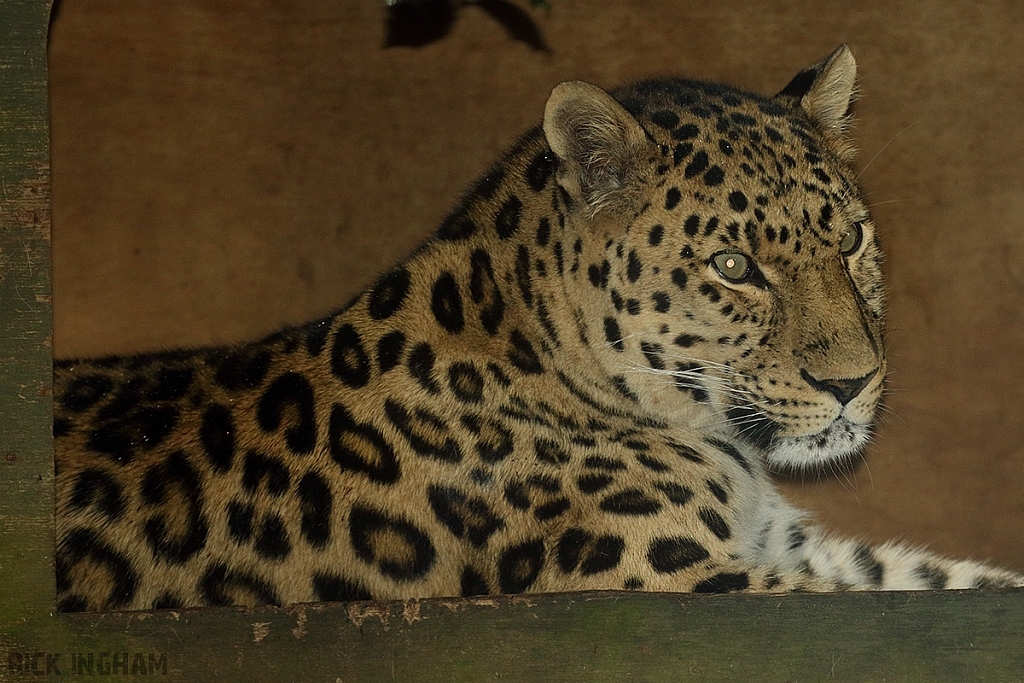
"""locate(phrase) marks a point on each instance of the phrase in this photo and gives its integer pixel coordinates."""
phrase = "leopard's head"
(730, 268)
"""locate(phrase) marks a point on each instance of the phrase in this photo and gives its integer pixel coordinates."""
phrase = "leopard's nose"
(845, 390)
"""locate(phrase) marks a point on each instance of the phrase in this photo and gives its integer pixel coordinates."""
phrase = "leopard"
(585, 379)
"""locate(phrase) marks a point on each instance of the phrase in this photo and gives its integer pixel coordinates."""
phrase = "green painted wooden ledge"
(950, 636)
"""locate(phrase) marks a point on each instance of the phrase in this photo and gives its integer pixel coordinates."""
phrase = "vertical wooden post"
(26, 453)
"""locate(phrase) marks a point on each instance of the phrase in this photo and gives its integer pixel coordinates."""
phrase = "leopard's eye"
(851, 238)
(733, 266)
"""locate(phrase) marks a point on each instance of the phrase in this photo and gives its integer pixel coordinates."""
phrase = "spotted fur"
(579, 382)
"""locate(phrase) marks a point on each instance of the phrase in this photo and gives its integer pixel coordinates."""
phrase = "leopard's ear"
(600, 147)
(825, 91)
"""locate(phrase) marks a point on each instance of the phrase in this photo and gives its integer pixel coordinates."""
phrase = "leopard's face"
(747, 286)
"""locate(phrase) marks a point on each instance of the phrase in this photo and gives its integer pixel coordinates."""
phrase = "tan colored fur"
(559, 391)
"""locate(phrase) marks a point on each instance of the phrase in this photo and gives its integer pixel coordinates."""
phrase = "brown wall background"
(221, 167)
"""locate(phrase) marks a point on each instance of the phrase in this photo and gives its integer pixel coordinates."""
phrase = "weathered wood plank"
(951, 636)
(26, 461)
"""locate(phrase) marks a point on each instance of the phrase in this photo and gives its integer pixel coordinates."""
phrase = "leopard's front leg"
(855, 565)
(894, 566)
(781, 539)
